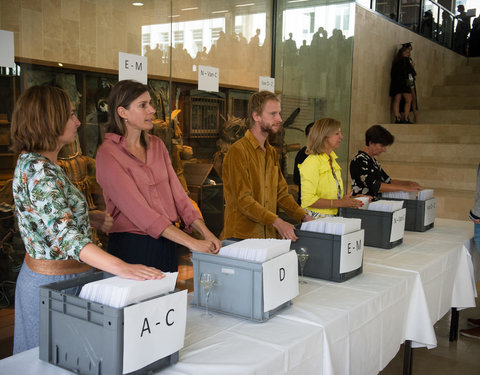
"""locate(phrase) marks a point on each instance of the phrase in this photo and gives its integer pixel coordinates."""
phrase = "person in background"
(52, 213)
(461, 30)
(474, 41)
(368, 177)
(402, 80)
(141, 190)
(320, 174)
(475, 217)
(299, 158)
(254, 186)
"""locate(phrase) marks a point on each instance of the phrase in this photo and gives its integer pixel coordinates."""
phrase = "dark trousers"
(133, 248)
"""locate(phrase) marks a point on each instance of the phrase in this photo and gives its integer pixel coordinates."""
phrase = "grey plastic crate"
(82, 336)
(238, 293)
(377, 225)
(324, 255)
(415, 220)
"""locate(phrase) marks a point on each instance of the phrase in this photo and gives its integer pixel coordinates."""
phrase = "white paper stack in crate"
(400, 195)
(332, 225)
(425, 194)
(118, 292)
(256, 249)
(385, 206)
(422, 195)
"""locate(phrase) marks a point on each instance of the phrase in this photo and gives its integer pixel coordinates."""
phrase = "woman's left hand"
(100, 220)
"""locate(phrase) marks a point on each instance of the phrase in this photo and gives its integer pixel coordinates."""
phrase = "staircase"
(442, 151)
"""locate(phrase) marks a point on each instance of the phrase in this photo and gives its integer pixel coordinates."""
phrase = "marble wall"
(90, 33)
(377, 39)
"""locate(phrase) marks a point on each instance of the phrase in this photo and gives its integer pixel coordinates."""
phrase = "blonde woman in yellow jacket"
(321, 181)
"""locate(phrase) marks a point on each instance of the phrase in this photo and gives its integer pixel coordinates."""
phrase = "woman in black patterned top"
(368, 177)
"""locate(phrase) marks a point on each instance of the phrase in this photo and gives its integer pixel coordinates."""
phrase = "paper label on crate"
(351, 251)
(280, 280)
(430, 211)
(398, 225)
(208, 77)
(153, 330)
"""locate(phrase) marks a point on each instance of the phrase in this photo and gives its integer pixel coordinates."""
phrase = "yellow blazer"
(317, 181)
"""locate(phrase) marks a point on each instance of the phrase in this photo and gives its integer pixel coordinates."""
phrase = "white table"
(355, 327)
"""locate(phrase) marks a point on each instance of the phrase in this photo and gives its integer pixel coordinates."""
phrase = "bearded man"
(254, 187)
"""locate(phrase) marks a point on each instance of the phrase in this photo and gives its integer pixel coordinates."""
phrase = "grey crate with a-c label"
(382, 229)
(238, 289)
(82, 336)
(329, 256)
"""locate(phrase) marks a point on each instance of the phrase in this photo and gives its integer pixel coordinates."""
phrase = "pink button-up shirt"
(142, 198)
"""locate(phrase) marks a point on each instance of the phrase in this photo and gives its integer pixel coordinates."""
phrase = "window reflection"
(314, 66)
(235, 41)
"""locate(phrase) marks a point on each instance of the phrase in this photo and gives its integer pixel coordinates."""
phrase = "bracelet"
(331, 203)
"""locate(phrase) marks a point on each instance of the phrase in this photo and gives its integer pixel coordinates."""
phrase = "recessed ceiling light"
(137, 4)
(193, 8)
(60, 64)
(244, 5)
(220, 11)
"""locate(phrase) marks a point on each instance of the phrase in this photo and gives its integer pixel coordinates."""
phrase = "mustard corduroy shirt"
(254, 188)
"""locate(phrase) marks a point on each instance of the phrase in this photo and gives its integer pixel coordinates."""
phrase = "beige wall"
(90, 33)
(376, 42)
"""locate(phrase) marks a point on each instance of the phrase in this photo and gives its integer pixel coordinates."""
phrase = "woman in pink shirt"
(141, 190)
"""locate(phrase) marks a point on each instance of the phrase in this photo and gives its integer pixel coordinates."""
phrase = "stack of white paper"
(256, 249)
(118, 292)
(425, 194)
(386, 206)
(332, 225)
(400, 195)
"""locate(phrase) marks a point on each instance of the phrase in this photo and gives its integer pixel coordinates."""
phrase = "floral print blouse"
(367, 175)
(52, 213)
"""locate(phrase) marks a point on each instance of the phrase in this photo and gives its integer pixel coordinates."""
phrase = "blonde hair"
(320, 131)
(257, 102)
(39, 118)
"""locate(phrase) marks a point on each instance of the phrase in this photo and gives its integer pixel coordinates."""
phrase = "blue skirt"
(27, 306)
(133, 248)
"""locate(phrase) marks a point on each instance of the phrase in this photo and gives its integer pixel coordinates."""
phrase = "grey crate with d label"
(238, 286)
(82, 336)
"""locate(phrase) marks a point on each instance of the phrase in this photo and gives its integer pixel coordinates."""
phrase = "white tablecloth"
(355, 327)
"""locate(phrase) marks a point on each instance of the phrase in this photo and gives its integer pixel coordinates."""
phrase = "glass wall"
(313, 67)
(434, 20)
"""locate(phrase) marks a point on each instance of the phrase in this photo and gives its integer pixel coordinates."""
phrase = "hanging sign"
(208, 78)
(7, 49)
(132, 67)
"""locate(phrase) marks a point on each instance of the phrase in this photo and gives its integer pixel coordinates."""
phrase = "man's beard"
(269, 128)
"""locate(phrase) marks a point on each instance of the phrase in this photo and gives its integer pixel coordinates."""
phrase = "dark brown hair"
(39, 118)
(122, 95)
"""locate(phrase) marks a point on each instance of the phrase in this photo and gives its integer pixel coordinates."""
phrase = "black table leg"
(407, 357)
(454, 324)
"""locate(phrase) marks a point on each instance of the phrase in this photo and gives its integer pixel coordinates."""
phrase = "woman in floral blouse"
(52, 213)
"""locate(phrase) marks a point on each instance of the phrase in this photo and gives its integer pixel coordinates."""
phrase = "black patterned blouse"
(367, 175)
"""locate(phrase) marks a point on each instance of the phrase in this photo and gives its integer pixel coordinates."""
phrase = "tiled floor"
(460, 357)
